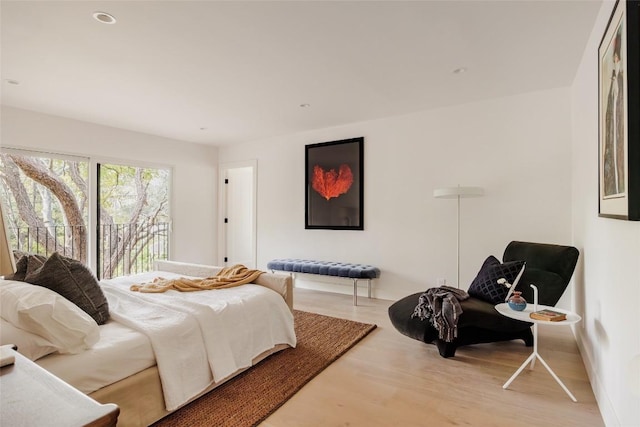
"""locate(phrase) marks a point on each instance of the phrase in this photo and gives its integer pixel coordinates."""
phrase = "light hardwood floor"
(389, 379)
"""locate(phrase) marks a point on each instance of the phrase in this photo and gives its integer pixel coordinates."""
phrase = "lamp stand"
(458, 248)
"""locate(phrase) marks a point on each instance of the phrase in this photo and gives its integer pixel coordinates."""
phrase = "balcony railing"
(131, 248)
(122, 248)
(47, 240)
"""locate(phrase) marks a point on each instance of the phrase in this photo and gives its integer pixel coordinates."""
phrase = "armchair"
(549, 267)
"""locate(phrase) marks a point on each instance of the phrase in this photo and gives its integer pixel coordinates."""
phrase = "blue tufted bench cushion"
(325, 268)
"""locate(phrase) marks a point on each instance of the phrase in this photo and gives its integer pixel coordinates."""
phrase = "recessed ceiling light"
(12, 82)
(305, 105)
(203, 128)
(459, 70)
(104, 17)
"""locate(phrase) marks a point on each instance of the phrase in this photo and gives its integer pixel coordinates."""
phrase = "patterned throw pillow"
(74, 281)
(486, 287)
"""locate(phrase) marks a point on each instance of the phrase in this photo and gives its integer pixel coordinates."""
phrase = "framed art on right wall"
(619, 114)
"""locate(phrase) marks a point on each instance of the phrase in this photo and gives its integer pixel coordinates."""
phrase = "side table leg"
(513, 377)
(535, 345)
(555, 377)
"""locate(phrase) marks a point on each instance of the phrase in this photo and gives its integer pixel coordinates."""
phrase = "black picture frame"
(619, 114)
(334, 185)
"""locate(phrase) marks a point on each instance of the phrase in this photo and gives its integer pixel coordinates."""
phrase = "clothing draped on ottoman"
(442, 307)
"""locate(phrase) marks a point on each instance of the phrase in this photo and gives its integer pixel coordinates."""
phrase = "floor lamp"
(458, 193)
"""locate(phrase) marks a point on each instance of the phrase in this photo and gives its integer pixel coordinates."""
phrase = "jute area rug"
(252, 396)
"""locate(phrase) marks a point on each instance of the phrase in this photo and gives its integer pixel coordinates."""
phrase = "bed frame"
(140, 396)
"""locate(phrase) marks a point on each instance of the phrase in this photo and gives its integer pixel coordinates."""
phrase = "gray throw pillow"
(25, 264)
(74, 281)
(34, 262)
(18, 254)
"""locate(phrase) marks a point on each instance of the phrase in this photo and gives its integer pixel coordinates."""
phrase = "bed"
(207, 338)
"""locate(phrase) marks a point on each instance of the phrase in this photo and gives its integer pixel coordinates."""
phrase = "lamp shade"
(7, 263)
(455, 192)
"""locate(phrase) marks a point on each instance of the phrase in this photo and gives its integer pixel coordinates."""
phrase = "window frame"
(92, 193)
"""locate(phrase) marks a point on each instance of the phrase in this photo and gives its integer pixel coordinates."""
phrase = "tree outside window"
(47, 200)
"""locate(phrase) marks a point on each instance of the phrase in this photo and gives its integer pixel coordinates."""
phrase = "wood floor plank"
(389, 379)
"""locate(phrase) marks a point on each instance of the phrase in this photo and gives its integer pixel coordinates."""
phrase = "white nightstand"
(31, 396)
(571, 319)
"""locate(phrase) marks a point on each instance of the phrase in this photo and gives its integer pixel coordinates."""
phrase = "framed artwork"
(334, 178)
(619, 114)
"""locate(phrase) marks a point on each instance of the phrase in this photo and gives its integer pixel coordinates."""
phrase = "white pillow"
(45, 313)
(29, 345)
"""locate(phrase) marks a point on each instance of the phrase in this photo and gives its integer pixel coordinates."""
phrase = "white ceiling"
(241, 69)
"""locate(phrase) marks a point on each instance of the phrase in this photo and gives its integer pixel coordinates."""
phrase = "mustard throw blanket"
(227, 277)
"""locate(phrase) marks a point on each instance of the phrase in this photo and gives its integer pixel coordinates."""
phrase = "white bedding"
(121, 352)
(206, 335)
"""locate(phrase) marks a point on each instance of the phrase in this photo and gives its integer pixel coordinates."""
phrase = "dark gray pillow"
(74, 281)
(18, 254)
(25, 264)
(34, 262)
(486, 287)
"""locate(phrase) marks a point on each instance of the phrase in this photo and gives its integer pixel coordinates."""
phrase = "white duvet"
(201, 337)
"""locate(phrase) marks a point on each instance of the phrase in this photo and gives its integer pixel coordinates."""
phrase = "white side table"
(571, 319)
(32, 396)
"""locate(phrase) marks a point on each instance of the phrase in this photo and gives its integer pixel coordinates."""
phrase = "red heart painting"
(331, 183)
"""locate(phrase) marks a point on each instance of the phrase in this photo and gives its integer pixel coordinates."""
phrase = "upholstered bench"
(328, 268)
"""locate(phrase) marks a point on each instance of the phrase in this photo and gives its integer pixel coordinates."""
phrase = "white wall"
(607, 281)
(194, 169)
(517, 148)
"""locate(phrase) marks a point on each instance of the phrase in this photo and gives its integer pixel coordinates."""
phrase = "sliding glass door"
(48, 204)
(134, 225)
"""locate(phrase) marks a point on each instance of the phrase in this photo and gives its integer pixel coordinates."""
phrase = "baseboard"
(602, 398)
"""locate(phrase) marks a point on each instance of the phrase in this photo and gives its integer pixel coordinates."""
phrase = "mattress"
(126, 365)
(195, 339)
(120, 353)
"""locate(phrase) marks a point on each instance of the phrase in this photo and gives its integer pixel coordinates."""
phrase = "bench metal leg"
(355, 291)
(355, 285)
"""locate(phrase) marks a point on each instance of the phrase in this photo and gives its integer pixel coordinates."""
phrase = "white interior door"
(238, 182)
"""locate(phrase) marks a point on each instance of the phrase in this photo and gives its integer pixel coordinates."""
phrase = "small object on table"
(550, 315)
(6, 355)
(517, 302)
